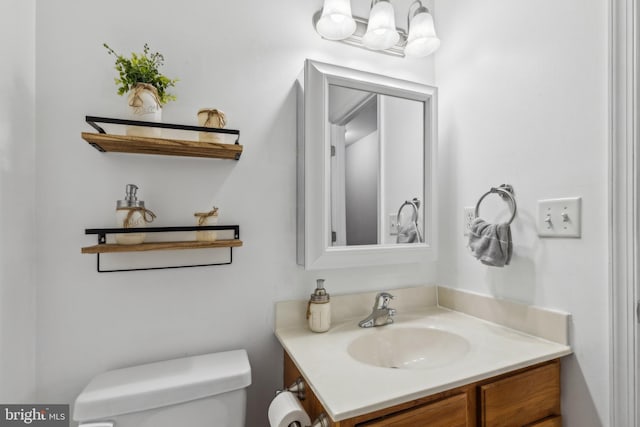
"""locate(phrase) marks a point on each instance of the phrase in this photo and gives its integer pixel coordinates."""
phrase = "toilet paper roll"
(284, 409)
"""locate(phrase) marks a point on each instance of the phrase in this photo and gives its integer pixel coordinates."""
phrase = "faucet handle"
(383, 299)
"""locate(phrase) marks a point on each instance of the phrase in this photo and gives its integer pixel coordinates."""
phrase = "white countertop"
(348, 388)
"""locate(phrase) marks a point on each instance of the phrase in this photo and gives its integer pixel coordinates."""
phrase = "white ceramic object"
(144, 105)
(211, 118)
(207, 235)
(319, 308)
(319, 316)
(199, 391)
(409, 348)
(136, 220)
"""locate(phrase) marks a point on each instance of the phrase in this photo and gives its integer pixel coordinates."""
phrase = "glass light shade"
(422, 39)
(381, 31)
(336, 22)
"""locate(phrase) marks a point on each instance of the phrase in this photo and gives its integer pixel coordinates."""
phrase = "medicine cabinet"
(366, 169)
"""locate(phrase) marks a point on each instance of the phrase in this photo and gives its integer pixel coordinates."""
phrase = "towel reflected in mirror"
(408, 227)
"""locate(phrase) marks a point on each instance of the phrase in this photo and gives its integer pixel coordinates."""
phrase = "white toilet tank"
(199, 391)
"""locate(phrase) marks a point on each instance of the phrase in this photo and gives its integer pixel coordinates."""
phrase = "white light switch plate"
(559, 217)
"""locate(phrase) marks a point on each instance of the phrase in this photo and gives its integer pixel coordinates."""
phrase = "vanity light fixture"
(336, 22)
(378, 33)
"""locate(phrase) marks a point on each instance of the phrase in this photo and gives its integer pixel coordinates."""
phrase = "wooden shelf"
(161, 146)
(160, 246)
(230, 240)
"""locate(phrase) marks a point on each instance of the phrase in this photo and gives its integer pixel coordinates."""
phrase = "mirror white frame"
(314, 250)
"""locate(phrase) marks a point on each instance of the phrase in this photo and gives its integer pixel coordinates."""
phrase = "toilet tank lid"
(158, 384)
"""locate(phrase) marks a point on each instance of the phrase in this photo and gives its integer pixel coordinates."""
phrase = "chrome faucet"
(381, 314)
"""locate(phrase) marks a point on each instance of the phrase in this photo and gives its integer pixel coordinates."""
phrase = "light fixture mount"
(361, 28)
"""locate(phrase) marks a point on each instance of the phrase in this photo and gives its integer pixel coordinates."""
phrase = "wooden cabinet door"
(548, 422)
(522, 399)
(449, 412)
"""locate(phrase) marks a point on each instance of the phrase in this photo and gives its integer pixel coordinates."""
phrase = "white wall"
(523, 100)
(17, 198)
(362, 166)
(242, 57)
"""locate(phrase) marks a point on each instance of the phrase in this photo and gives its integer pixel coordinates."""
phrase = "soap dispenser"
(131, 213)
(319, 309)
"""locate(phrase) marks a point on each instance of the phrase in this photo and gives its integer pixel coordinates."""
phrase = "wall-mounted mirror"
(366, 168)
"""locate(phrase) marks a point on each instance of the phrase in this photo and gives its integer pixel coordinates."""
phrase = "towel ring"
(415, 203)
(506, 192)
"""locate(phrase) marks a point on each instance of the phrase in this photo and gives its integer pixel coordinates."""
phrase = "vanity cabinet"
(548, 422)
(447, 412)
(528, 397)
(521, 399)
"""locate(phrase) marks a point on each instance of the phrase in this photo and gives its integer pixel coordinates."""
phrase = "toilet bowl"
(199, 391)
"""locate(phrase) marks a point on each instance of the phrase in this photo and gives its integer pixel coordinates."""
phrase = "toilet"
(198, 391)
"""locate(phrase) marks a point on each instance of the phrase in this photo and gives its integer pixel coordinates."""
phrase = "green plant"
(142, 68)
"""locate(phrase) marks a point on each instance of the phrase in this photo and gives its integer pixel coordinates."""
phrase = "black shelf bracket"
(93, 120)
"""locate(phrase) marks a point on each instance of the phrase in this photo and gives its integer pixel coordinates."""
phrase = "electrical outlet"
(469, 213)
(392, 224)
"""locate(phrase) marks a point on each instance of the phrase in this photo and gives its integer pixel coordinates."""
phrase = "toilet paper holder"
(298, 388)
(321, 421)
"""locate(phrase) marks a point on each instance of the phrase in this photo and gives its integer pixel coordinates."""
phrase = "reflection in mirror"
(377, 167)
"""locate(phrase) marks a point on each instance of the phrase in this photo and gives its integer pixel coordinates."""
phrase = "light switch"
(559, 217)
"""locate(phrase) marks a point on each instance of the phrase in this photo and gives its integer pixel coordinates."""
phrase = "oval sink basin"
(408, 348)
